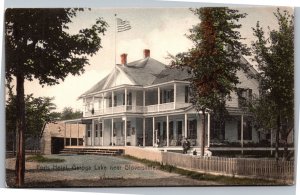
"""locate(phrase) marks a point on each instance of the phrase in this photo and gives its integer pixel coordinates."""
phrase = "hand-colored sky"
(161, 30)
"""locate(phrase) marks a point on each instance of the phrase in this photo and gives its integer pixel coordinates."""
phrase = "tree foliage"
(38, 113)
(69, 113)
(214, 58)
(39, 46)
(274, 54)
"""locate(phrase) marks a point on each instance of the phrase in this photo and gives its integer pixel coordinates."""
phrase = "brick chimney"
(124, 58)
(146, 53)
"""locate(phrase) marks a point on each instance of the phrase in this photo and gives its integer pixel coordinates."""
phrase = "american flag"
(123, 25)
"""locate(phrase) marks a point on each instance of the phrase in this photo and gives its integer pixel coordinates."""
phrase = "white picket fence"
(259, 168)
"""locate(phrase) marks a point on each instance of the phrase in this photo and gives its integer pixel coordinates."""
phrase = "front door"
(89, 134)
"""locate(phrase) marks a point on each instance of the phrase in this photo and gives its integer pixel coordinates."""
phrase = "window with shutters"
(100, 129)
(244, 96)
(96, 130)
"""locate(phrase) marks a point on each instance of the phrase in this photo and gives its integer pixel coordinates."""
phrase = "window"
(129, 99)
(218, 130)
(123, 99)
(96, 130)
(128, 128)
(89, 127)
(244, 96)
(186, 94)
(179, 128)
(192, 129)
(115, 100)
(110, 101)
(171, 130)
(158, 129)
(247, 130)
(167, 96)
(164, 130)
(100, 129)
(171, 95)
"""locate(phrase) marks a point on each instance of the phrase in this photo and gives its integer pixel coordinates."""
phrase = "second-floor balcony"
(139, 100)
(137, 109)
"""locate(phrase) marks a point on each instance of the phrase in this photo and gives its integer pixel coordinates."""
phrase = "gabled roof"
(142, 72)
(98, 87)
(149, 71)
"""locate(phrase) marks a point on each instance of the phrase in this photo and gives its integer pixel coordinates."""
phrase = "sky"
(162, 30)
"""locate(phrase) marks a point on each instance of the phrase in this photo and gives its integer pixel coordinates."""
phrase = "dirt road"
(97, 171)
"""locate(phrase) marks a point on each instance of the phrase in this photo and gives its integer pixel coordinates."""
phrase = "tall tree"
(38, 46)
(274, 54)
(213, 60)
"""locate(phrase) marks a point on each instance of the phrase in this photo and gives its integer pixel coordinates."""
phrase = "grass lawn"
(41, 159)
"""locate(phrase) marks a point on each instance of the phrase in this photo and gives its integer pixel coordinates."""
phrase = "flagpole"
(115, 49)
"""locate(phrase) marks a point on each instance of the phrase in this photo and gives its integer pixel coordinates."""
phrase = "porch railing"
(166, 106)
(136, 109)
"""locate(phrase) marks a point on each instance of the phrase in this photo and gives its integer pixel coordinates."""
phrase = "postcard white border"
(150, 3)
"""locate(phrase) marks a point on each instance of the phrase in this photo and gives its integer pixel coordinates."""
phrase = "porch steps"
(95, 151)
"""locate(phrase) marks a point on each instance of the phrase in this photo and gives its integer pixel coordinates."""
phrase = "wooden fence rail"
(261, 168)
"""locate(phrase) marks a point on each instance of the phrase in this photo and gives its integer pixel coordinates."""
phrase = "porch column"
(153, 129)
(112, 132)
(208, 130)
(167, 130)
(185, 125)
(175, 91)
(125, 130)
(144, 131)
(112, 101)
(70, 134)
(102, 132)
(93, 107)
(242, 133)
(93, 133)
(84, 106)
(102, 103)
(77, 134)
(158, 98)
(125, 99)
(65, 135)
